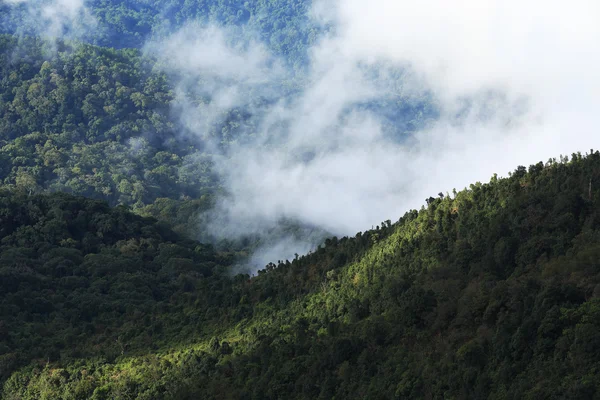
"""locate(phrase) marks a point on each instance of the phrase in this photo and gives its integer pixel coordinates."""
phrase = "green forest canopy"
(493, 292)
(94, 122)
(284, 25)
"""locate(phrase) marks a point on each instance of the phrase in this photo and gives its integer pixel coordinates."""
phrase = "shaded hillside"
(79, 279)
(492, 292)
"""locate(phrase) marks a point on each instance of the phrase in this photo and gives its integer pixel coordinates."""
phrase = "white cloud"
(514, 83)
(544, 51)
(57, 18)
(209, 63)
(464, 45)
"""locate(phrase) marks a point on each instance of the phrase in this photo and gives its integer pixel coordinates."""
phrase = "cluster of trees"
(492, 292)
(283, 25)
(79, 279)
(95, 122)
(102, 123)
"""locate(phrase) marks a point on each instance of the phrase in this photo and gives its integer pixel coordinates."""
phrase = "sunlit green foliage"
(489, 293)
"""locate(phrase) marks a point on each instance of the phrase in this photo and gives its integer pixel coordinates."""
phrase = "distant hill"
(95, 122)
(491, 292)
(284, 25)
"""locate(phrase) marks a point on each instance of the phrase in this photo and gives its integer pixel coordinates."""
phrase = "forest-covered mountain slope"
(99, 122)
(106, 124)
(95, 122)
(75, 273)
(491, 292)
(284, 25)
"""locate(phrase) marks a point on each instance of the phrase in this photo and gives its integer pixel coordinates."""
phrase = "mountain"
(491, 292)
(161, 162)
(95, 122)
(98, 122)
(285, 25)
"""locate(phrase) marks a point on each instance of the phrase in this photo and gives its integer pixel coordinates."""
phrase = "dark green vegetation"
(93, 122)
(491, 293)
(75, 274)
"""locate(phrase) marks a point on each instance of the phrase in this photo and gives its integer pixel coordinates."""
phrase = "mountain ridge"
(490, 293)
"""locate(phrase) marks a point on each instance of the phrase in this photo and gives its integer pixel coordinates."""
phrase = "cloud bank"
(510, 82)
(538, 57)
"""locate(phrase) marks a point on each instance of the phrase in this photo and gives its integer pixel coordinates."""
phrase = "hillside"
(75, 274)
(166, 166)
(284, 25)
(100, 123)
(94, 122)
(491, 292)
